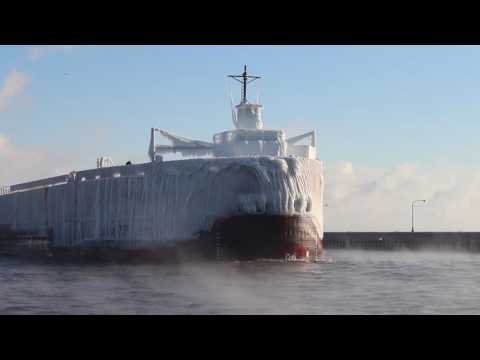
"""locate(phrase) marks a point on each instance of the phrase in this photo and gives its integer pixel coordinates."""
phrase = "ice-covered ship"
(249, 193)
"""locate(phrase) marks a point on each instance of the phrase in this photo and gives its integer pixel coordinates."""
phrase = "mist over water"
(355, 282)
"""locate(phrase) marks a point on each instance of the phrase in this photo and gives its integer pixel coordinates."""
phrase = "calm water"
(355, 282)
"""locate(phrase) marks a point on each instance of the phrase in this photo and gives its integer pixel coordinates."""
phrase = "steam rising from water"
(357, 282)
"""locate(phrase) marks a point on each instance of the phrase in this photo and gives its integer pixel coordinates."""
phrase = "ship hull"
(240, 208)
(242, 237)
(248, 237)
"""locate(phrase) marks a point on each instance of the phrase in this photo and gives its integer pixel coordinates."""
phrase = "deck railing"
(4, 190)
(80, 176)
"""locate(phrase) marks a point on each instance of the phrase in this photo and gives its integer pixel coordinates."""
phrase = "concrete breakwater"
(460, 241)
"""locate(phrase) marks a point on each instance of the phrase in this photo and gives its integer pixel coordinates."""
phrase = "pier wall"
(462, 241)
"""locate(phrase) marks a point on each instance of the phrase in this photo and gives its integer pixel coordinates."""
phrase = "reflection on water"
(355, 282)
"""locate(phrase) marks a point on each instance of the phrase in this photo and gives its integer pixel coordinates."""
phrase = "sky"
(393, 123)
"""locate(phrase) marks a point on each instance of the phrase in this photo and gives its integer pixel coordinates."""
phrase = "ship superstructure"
(249, 138)
(255, 194)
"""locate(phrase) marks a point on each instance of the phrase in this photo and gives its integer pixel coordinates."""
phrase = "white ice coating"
(159, 203)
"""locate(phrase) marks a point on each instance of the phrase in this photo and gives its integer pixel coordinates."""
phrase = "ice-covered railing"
(93, 174)
(109, 172)
(39, 183)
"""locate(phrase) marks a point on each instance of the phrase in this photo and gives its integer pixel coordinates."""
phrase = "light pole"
(413, 203)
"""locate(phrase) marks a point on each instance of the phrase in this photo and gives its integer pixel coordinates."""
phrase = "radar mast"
(244, 79)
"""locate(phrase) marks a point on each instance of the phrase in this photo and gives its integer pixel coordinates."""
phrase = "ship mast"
(244, 79)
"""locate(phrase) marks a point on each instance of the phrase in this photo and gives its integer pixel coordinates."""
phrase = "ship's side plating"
(163, 204)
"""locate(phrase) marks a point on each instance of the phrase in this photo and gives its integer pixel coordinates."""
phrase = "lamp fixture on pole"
(413, 203)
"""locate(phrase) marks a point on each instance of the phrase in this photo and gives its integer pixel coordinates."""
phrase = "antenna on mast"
(244, 79)
(234, 114)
